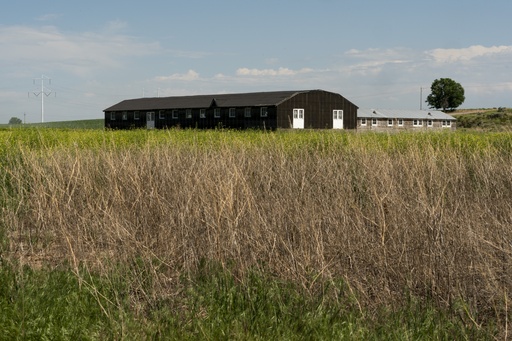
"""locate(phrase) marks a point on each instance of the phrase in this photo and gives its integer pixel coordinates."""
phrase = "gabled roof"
(206, 101)
(404, 114)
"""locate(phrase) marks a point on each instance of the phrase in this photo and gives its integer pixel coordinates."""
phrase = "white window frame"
(232, 112)
(374, 122)
(136, 115)
(390, 122)
(447, 124)
(247, 112)
(417, 123)
(188, 113)
(430, 123)
(202, 113)
(363, 122)
(112, 115)
(216, 112)
(161, 114)
(175, 114)
(124, 116)
(400, 122)
(263, 112)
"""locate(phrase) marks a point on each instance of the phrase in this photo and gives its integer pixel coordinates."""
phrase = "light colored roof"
(404, 114)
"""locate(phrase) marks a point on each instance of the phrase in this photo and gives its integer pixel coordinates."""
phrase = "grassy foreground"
(248, 235)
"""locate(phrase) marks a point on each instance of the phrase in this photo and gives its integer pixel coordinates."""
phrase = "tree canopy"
(15, 120)
(446, 94)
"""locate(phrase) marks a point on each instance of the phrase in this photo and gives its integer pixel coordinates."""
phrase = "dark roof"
(206, 101)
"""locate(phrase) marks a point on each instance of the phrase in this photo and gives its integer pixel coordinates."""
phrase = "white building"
(388, 119)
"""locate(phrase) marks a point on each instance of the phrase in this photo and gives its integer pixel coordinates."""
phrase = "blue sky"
(378, 54)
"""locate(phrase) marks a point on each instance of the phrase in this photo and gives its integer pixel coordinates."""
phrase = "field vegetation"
(499, 119)
(185, 234)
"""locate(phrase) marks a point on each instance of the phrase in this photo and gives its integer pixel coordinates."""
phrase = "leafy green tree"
(446, 94)
(15, 120)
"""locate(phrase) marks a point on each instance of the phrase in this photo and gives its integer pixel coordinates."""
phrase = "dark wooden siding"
(165, 119)
(125, 120)
(318, 108)
(210, 121)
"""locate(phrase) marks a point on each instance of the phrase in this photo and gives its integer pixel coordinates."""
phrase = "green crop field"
(219, 234)
(79, 124)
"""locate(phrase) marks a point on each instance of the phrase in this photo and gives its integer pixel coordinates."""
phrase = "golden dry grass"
(426, 220)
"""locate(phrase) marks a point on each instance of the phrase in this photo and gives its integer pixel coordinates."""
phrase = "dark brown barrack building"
(316, 109)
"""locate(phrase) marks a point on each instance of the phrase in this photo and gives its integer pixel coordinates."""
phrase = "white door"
(337, 119)
(298, 118)
(150, 120)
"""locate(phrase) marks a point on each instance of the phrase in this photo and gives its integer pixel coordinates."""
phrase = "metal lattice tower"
(44, 92)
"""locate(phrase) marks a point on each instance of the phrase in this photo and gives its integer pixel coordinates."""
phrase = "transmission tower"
(45, 91)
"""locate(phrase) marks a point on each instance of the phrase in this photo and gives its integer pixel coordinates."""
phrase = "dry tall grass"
(430, 221)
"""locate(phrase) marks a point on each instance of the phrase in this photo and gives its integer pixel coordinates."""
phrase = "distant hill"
(80, 124)
(495, 119)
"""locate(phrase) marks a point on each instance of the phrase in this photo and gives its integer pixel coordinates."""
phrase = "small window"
(417, 123)
(247, 112)
(447, 124)
(337, 114)
(136, 115)
(390, 122)
(202, 113)
(374, 121)
(125, 116)
(161, 114)
(175, 114)
(263, 112)
(363, 121)
(430, 123)
(400, 122)
(112, 116)
(232, 112)
(216, 112)
(188, 113)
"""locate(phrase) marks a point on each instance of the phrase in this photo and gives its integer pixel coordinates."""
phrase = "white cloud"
(271, 72)
(49, 48)
(372, 61)
(467, 54)
(191, 75)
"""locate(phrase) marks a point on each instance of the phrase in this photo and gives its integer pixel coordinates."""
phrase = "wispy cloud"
(282, 71)
(191, 75)
(79, 54)
(49, 17)
(371, 62)
(467, 54)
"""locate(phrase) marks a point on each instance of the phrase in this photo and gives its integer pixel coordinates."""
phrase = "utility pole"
(44, 92)
(421, 97)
